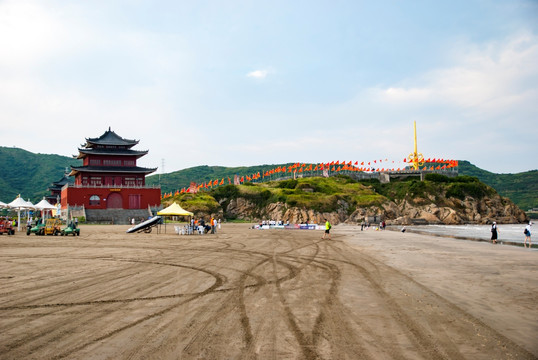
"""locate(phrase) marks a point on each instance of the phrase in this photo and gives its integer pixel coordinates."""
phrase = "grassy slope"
(329, 194)
(320, 194)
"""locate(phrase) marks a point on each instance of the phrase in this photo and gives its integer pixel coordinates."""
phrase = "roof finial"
(109, 128)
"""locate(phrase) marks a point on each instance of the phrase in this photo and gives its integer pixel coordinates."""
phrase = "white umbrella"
(3, 204)
(19, 204)
(44, 205)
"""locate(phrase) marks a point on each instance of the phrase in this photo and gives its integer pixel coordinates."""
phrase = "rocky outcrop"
(434, 211)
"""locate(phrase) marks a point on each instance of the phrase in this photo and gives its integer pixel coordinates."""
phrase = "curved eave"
(134, 153)
(111, 169)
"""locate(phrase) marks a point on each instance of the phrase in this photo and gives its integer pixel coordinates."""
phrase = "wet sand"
(276, 294)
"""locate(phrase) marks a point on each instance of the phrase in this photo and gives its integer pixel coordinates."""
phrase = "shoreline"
(468, 238)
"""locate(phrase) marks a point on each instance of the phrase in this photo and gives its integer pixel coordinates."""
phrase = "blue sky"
(238, 83)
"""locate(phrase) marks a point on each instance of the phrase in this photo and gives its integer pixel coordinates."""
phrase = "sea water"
(505, 232)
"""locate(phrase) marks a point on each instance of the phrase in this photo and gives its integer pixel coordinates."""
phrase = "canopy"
(44, 205)
(3, 204)
(175, 209)
(19, 204)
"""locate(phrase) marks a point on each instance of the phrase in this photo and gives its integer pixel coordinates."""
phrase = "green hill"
(521, 188)
(437, 199)
(29, 174)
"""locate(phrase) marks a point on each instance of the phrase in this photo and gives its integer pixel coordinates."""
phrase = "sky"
(240, 83)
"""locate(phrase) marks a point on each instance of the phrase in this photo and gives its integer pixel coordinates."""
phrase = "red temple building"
(109, 180)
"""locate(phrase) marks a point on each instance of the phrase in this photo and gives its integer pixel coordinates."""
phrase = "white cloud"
(486, 79)
(258, 74)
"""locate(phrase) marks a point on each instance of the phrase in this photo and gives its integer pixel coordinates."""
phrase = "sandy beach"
(275, 294)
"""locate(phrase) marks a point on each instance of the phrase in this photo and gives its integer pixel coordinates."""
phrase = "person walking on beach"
(527, 233)
(494, 232)
(327, 230)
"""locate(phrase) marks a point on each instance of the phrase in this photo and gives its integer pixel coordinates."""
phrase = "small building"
(109, 179)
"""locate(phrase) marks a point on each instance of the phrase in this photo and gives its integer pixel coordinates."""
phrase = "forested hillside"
(29, 174)
(521, 188)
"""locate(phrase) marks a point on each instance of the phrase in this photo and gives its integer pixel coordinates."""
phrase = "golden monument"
(416, 159)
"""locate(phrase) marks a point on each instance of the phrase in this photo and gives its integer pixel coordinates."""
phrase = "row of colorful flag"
(329, 167)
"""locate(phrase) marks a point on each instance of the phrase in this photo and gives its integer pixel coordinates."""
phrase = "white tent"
(3, 204)
(20, 204)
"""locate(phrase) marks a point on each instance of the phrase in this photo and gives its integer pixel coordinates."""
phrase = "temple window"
(129, 181)
(95, 200)
(112, 162)
(96, 181)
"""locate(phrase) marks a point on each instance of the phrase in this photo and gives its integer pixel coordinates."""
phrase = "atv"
(71, 229)
(6, 227)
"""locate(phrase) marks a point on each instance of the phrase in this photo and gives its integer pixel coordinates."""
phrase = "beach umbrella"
(43, 206)
(19, 204)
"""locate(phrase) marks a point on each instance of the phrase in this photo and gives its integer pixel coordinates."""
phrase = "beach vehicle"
(70, 229)
(6, 227)
(37, 229)
(52, 227)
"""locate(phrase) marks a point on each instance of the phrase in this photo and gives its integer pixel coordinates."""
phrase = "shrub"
(437, 178)
(225, 192)
(346, 179)
(288, 184)
(472, 189)
(465, 179)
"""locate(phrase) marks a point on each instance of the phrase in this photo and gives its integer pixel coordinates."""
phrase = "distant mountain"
(29, 174)
(521, 188)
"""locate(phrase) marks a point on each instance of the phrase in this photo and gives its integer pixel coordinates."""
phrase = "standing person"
(527, 233)
(494, 231)
(327, 229)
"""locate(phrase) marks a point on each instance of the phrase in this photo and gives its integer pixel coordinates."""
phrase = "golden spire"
(416, 158)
